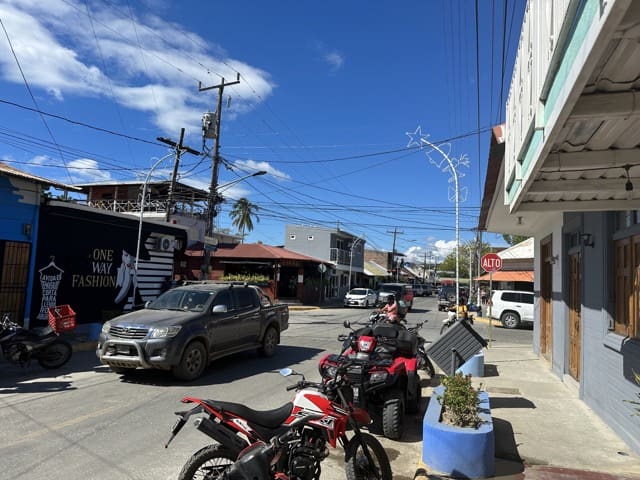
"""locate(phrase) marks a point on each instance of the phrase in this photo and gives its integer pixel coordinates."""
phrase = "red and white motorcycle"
(286, 443)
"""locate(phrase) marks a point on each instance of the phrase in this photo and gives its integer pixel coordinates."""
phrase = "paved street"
(84, 421)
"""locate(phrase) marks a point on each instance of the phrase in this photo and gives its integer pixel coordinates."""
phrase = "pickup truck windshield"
(186, 300)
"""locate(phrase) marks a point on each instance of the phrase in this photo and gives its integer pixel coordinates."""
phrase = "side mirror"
(219, 309)
(285, 372)
(346, 324)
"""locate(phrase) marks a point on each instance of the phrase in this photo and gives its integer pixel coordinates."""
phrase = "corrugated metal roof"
(14, 172)
(373, 269)
(262, 251)
(587, 159)
(509, 276)
(523, 249)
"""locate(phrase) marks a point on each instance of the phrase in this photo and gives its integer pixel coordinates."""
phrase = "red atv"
(383, 372)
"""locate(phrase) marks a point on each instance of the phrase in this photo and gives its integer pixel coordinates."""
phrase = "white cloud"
(151, 65)
(437, 251)
(331, 57)
(85, 170)
(251, 166)
(335, 60)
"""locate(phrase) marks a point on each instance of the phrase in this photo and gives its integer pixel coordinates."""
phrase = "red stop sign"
(491, 262)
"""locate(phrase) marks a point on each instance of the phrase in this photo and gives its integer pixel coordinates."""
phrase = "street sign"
(491, 262)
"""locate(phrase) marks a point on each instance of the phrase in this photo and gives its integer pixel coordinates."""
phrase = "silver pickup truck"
(187, 327)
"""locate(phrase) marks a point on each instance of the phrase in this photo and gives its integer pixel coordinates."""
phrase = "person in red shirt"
(391, 309)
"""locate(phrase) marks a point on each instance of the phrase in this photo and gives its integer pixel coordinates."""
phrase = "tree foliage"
(513, 239)
(467, 250)
(243, 213)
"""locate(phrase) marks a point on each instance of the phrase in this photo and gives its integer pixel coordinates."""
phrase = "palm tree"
(241, 213)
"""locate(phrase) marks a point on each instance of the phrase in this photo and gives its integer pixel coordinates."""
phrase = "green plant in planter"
(250, 278)
(634, 402)
(459, 402)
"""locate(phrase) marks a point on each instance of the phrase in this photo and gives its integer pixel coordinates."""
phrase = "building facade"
(569, 176)
(343, 251)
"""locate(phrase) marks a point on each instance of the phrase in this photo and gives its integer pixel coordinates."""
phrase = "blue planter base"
(458, 452)
(473, 366)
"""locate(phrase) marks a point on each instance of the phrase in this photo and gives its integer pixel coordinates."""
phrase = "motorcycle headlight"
(329, 371)
(162, 332)
(105, 327)
(377, 377)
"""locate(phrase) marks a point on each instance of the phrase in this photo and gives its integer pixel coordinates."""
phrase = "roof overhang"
(508, 276)
(573, 146)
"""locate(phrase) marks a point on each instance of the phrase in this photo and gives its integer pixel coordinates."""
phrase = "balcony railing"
(152, 206)
(339, 256)
(544, 30)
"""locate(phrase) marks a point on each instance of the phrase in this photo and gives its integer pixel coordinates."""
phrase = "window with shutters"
(627, 286)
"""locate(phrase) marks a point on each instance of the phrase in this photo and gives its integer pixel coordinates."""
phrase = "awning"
(509, 276)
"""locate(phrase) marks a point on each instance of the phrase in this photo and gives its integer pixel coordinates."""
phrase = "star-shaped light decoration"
(416, 138)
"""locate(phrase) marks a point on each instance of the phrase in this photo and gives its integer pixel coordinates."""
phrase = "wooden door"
(14, 275)
(546, 298)
(575, 305)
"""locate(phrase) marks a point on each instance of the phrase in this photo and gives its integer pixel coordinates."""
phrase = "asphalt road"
(83, 421)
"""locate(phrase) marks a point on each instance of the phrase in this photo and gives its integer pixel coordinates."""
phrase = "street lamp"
(225, 186)
(423, 141)
(144, 195)
(206, 256)
(454, 172)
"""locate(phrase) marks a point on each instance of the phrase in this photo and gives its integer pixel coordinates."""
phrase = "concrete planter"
(454, 451)
(474, 366)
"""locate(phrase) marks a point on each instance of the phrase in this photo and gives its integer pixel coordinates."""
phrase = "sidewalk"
(542, 430)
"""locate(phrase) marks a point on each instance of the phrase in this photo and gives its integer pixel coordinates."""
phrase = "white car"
(360, 297)
(512, 307)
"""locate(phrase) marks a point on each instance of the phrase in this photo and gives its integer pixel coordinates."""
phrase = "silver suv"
(512, 307)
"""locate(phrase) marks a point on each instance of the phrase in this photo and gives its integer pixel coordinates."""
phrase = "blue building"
(20, 197)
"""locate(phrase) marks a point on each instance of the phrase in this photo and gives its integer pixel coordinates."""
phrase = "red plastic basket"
(62, 318)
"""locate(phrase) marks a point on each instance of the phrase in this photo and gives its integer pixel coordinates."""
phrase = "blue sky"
(328, 92)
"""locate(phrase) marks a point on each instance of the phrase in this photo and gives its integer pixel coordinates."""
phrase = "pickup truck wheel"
(192, 363)
(269, 342)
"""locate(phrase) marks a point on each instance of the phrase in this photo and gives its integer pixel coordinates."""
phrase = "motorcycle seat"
(266, 418)
(39, 332)
(407, 343)
(388, 331)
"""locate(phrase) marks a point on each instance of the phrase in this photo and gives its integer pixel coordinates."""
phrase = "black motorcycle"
(19, 345)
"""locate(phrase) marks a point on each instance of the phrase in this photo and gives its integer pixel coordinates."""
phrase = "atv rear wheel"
(413, 403)
(392, 413)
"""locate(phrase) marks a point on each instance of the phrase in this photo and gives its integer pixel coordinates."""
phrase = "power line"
(33, 98)
(76, 122)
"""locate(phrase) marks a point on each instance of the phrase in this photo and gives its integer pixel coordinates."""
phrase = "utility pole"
(479, 257)
(395, 264)
(180, 149)
(212, 198)
(424, 268)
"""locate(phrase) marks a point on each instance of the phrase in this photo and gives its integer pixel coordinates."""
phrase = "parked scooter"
(452, 318)
(289, 442)
(19, 345)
